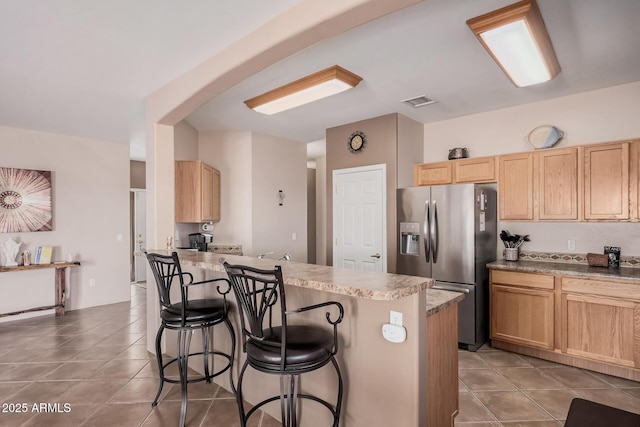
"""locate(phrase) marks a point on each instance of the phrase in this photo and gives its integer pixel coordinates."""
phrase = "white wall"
(90, 210)
(586, 118)
(321, 209)
(279, 164)
(253, 167)
(230, 153)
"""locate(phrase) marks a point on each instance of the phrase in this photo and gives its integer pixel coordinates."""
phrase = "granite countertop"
(438, 300)
(359, 284)
(622, 273)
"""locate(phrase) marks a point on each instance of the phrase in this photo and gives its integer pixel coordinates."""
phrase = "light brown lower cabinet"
(579, 321)
(601, 328)
(522, 308)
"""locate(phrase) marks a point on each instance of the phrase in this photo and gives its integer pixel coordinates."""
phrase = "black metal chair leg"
(233, 354)
(293, 387)
(336, 418)
(160, 366)
(205, 342)
(239, 399)
(184, 342)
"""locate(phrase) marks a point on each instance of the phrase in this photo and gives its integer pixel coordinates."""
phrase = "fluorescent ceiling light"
(517, 39)
(307, 89)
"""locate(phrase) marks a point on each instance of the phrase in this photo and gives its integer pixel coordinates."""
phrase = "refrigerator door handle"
(426, 237)
(434, 232)
(451, 288)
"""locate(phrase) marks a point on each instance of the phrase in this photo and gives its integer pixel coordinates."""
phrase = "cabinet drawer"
(532, 280)
(607, 288)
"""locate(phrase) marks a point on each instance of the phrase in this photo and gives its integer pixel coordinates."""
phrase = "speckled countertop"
(622, 273)
(359, 284)
(438, 300)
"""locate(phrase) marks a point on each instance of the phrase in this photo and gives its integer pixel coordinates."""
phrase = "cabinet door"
(433, 173)
(207, 193)
(557, 174)
(522, 316)
(606, 185)
(188, 191)
(634, 176)
(475, 170)
(515, 187)
(216, 210)
(603, 329)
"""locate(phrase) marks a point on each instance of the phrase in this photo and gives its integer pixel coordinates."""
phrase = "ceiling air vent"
(419, 101)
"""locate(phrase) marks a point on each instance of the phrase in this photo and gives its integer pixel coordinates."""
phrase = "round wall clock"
(356, 141)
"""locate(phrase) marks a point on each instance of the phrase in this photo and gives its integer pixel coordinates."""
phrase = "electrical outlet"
(92, 282)
(571, 245)
(395, 318)
(294, 236)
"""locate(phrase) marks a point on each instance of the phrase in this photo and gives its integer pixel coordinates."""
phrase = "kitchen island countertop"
(359, 284)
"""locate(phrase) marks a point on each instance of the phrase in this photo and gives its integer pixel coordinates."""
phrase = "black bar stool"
(285, 350)
(186, 317)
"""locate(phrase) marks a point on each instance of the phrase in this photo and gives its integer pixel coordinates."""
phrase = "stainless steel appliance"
(448, 232)
(200, 241)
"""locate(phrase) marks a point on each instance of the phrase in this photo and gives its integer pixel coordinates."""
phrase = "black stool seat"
(186, 317)
(308, 347)
(198, 311)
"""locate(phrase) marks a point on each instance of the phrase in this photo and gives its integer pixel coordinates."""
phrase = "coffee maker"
(199, 241)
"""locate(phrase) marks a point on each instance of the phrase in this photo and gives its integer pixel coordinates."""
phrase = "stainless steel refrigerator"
(448, 232)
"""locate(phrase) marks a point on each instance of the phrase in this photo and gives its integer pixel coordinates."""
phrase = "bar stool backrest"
(257, 292)
(165, 269)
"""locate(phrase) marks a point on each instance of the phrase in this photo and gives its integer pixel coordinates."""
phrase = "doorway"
(138, 202)
(359, 218)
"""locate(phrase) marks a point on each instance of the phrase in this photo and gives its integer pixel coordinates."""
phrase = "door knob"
(376, 256)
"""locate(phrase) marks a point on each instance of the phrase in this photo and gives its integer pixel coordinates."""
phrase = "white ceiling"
(84, 67)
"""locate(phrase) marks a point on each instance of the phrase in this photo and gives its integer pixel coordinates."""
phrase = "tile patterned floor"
(95, 361)
(92, 368)
(498, 388)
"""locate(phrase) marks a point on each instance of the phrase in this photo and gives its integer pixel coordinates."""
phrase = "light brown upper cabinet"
(433, 173)
(634, 176)
(481, 169)
(558, 179)
(197, 192)
(516, 186)
(606, 181)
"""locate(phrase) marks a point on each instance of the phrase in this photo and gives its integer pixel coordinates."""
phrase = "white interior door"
(359, 218)
(140, 234)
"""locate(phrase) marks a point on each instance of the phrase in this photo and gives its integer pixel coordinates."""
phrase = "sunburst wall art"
(25, 200)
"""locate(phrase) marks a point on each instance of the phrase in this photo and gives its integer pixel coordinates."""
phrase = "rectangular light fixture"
(516, 38)
(307, 89)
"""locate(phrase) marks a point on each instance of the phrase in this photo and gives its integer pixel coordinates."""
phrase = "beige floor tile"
(76, 415)
(574, 377)
(533, 424)
(167, 414)
(119, 414)
(10, 388)
(470, 360)
(75, 370)
(472, 410)
(529, 378)
(615, 381)
(555, 402)
(483, 379)
(512, 406)
(42, 391)
(126, 368)
(199, 390)
(88, 392)
(140, 390)
(27, 372)
(487, 424)
(503, 359)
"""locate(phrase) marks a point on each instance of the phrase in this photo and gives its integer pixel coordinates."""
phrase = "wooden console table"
(59, 284)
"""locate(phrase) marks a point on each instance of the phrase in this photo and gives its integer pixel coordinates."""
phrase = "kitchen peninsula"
(385, 383)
